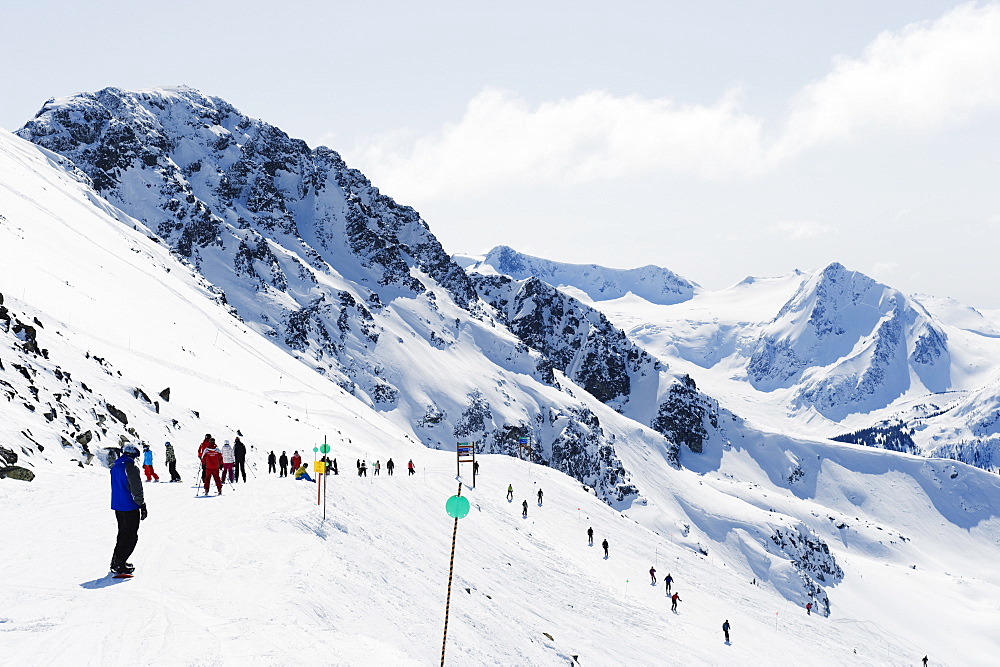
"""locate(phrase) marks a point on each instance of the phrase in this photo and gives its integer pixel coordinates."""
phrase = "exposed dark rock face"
(812, 558)
(683, 416)
(573, 338)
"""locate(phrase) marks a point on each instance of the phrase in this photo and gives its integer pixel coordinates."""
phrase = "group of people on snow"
(228, 464)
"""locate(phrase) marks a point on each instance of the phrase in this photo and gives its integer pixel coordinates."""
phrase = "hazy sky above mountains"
(716, 139)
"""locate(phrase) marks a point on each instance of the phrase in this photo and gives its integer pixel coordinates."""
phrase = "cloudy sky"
(718, 139)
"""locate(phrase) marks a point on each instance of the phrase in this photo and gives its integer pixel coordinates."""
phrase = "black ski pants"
(172, 467)
(128, 536)
(284, 471)
(241, 468)
(270, 468)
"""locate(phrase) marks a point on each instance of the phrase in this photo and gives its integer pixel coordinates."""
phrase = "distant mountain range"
(840, 354)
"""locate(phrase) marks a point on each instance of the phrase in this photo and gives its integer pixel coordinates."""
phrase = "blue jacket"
(147, 457)
(126, 487)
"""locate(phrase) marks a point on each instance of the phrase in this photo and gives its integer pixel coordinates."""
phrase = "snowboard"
(122, 576)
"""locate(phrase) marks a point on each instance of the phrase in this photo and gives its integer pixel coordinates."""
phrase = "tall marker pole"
(451, 572)
(457, 507)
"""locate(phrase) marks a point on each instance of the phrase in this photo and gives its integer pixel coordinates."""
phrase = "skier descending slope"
(524, 509)
(129, 505)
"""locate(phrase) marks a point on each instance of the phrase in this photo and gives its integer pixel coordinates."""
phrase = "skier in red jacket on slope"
(212, 460)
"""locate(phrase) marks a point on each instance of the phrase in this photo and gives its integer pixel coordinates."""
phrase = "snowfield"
(257, 576)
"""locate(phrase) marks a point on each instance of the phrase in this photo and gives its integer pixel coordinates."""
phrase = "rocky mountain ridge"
(307, 252)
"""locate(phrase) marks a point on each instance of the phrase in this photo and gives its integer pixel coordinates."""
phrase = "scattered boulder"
(117, 414)
(17, 472)
(7, 456)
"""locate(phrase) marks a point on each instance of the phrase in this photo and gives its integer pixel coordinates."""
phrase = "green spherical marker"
(457, 507)
(315, 449)
(325, 449)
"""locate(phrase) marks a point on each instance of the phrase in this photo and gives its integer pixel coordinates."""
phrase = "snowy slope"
(257, 576)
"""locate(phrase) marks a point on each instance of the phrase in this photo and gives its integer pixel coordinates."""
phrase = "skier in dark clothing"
(590, 537)
(674, 599)
(272, 461)
(475, 467)
(171, 458)
(283, 464)
(725, 629)
(652, 575)
(389, 465)
(668, 580)
(605, 545)
(240, 451)
(524, 508)
(129, 505)
(539, 497)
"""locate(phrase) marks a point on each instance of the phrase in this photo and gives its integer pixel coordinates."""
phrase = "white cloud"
(928, 75)
(925, 76)
(800, 230)
(501, 140)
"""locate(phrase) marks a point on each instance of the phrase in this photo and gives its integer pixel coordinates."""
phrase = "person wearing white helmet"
(129, 505)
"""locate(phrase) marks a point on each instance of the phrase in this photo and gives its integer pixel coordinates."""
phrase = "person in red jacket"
(296, 460)
(201, 451)
(212, 460)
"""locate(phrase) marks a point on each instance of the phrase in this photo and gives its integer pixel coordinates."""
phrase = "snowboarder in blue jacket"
(129, 505)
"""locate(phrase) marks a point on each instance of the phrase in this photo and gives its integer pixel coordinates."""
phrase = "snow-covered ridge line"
(652, 283)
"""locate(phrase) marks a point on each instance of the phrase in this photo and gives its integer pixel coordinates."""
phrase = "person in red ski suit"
(212, 460)
(201, 451)
(296, 460)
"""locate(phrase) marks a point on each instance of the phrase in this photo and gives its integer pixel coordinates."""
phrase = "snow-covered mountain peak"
(851, 344)
(652, 283)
